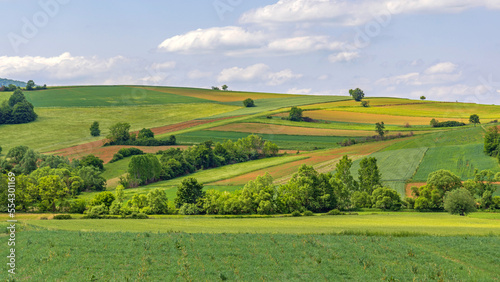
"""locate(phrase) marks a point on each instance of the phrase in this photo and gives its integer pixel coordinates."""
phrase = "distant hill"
(5, 82)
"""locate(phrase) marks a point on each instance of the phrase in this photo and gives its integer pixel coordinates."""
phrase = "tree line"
(17, 109)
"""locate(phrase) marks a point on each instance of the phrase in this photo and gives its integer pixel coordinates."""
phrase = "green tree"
(380, 129)
(145, 133)
(158, 201)
(369, 175)
(224, 87)
(145, 168)
(357, 94)
(23, 112)
(105, 198)
(474, 119)
(91, 160)
(491, 141)
(51, 190)
(386, 198)
(30, 85)
(94, 129)
(365, 104)
(270, 149)
(459, 201)
(295, 114)
(361, 200)
(28, 163)
(248, 102)
(119, 132)
(188, 192)
(16, 97)
(92, 180)
(17, 153)
(119, 193)
(422, 98)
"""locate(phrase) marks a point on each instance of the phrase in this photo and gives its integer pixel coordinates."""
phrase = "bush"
(116, 157)
(62, 216)
(97, 211)
(248, 103)
(365, 104)
(459, 201)
(449, 123)
(334, 212)
(296, 213)
(78, 206)
(189, 209)
(139, 215)
(308, 213)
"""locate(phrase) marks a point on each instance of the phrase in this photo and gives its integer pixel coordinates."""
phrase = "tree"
(119, 193)
(23, 113)
(0, 150)
(224, 87)
(357, 94)
(434, 122)
(51, 190)
(380, 129)
(119, 132)
(459, 201)
(92, 181)
(386, 199)
(188, 192)
(474, 119)
(343, 174)
(158, 201)
(30, 85)
(145, 168)
(94, 129)
(365, 104)
(422, 98)
(248, 102)
(295, 114)
(105, 198)
(369, 175)
(491, 141)
(145, 133)
(16, 97)
(93, 161)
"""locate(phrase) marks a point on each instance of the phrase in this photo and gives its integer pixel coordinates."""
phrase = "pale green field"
(379, 223)
(58, 128)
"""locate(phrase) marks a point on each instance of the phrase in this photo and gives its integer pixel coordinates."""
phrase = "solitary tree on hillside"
(248, 102)
(422, 98)
(224, 87)
(94, 129)
(357, 94)
(295, 114)
(380, 128)
(459, 201)
(30, 85)
(474, 119)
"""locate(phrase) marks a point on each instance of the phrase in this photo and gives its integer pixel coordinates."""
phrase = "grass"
(102, 96)
(462, 160)
(100, 256)
(437, 110)
(439, 224)
(294, 142)
(58, 128)
(395, 166)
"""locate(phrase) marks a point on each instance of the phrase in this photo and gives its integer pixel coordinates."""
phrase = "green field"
(100, 256)
(462, 160)
(293, 142)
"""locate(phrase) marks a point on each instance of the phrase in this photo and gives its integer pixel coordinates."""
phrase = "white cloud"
(216, 38)
(299, 91)
(164, 66)
(343, 57)
(460, 92)
(441, 73)
(197, 74)
(64, 66)
(352, 13)
(257, 73)
(446, 67)
(304, 44)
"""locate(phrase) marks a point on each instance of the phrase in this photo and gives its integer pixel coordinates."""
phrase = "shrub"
(62, 216)
(78, 206)
(308, 213)
(116, 157)
(97, 211)
(365, 104)
(140, 215)
(334, 212)
(459, 201)
(189, 209)
(296, 213)
(449, 123)
(248, 103)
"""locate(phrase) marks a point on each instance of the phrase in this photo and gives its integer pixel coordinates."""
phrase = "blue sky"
(445, 50)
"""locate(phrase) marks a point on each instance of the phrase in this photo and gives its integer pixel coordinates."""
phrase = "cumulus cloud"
(305, 44)
(351, 13)
(299, 91)
(441, 73)
(257, 73)
(343, 57)
(164, 66)
(216, 38)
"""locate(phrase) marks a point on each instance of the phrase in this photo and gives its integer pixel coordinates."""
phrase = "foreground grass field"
(101, 256)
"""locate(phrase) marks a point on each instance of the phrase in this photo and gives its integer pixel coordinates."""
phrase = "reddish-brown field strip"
(219, 96)
(262, 128)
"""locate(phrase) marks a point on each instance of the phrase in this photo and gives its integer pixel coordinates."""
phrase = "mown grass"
(462, 160)
(58, 128)
(294, 142)
(102, 96)
(100, 256)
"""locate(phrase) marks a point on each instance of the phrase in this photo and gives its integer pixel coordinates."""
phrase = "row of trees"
(29, 87)
(120, 135)
(48, 182)
(148, 168)
(17, 110)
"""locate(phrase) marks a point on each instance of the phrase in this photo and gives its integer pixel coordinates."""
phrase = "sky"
(446, 50)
